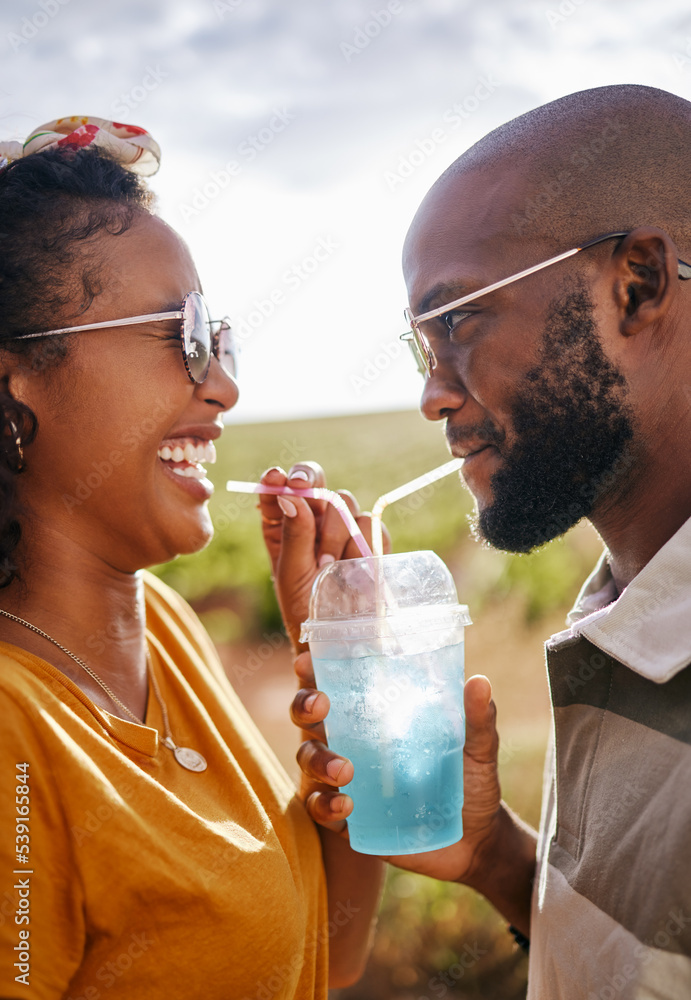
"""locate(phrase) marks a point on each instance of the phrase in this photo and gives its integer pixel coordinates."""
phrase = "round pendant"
(190, 759)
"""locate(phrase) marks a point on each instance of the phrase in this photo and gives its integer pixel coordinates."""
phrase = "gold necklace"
(185, 756)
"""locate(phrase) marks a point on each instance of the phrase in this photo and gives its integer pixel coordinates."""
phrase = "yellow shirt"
(143, 879)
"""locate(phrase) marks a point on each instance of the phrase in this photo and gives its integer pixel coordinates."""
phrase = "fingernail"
(288, 508)
(309, 701)
(334, 767)
(299, 474)
(337, 803)
(325, 560)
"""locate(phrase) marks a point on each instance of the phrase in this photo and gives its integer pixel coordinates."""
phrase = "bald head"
(611, 158)
(565, 391)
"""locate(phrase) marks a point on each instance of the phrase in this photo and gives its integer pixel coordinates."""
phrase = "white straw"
(404, 491)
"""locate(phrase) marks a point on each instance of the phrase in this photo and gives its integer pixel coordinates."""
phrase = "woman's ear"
(17, 376)
(646, 280)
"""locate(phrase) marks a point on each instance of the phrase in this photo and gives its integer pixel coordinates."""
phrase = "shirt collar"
(648, 626)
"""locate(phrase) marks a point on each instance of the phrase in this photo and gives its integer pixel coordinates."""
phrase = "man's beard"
(573, 430)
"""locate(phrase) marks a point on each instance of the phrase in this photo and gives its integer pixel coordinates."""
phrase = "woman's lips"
(191, 477)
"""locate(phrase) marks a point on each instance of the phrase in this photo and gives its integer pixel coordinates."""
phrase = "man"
(568, 392)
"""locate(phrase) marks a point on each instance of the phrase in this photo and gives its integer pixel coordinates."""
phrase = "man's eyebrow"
(442, 292)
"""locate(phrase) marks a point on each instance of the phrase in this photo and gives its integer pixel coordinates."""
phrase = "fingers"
(312, 470)
(304, 670)
(481, 741)
(323, 765)
(330, 809)
(271, 514)
(335, 540)
(297, 564)
(305, 475)
(308, 710)
(300, 476)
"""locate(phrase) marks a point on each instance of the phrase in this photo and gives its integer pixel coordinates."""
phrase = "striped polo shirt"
(611, 913)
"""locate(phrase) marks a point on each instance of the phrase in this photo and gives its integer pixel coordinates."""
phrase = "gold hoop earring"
(18, 446)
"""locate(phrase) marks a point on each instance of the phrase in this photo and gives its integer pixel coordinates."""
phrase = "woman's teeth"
(190, 453)
(190, 471)
(204, 452)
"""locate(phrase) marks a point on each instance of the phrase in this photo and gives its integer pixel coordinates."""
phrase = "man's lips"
(466, 451)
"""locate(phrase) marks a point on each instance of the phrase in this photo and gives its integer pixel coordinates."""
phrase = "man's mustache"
(484, 433)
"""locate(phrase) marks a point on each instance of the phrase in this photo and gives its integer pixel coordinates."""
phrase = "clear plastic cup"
(386, 636)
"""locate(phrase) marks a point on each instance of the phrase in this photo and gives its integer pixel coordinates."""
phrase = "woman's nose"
(219, 388)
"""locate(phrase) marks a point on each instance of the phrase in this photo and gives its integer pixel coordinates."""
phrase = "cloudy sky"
(299, 136)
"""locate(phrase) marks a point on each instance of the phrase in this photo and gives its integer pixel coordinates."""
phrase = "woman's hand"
(324, 772)
(302, 536)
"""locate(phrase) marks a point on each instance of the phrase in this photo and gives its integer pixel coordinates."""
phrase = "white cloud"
(222, 74)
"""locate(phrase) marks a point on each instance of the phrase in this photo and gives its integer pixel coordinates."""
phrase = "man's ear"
(646, 278)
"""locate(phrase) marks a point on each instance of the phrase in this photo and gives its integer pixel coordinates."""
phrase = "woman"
(151, 845)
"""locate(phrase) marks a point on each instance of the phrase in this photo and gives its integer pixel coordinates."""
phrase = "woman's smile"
(181, 459)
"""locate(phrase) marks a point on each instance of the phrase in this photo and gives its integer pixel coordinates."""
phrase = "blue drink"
(386, 637)
(399, 719)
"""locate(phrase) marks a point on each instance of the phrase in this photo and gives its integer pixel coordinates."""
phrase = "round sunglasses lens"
(196, 333)
(227, 350)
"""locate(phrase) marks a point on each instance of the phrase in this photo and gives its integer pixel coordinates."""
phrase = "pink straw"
(313, 493)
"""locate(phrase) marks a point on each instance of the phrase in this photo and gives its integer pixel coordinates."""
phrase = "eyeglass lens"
(200, 335)
(227, 349)
(196, 335)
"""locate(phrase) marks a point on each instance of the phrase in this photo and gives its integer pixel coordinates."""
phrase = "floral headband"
(130, 145)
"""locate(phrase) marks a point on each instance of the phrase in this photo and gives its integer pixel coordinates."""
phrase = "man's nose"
(442, 395)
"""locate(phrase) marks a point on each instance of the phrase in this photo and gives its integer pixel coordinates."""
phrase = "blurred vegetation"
(369, 455)
(434, 940)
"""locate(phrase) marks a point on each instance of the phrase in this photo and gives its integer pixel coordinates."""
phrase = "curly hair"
(53, 207)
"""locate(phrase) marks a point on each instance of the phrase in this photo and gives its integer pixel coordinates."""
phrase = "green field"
(369, 455)
(433, 940)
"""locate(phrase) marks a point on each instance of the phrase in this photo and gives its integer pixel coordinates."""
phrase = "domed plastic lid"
(400, 593)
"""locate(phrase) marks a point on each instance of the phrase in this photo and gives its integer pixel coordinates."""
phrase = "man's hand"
(327, 772)
(496, 855)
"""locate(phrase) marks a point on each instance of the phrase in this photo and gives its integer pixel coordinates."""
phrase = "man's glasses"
(200, 336)
(419, 343)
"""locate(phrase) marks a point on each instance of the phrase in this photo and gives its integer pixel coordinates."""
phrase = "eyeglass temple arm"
(130, 321)
(683, 269)
(493, 287)
(684, 272)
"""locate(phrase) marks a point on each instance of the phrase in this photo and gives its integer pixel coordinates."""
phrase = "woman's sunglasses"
(200, 336)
